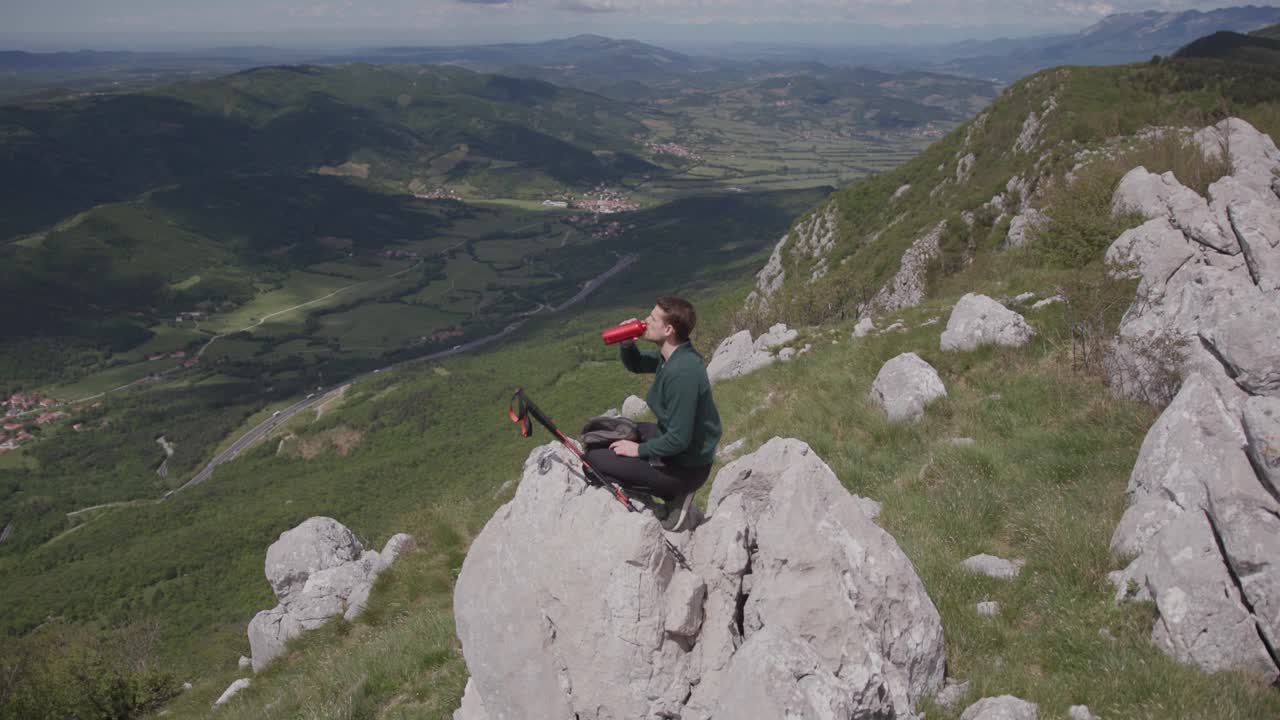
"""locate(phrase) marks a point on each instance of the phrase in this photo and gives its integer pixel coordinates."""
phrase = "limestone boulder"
(1153, 251)
(568, 605)
(993, 566)
(906, 385)
(1253, 154)
(318, 543)
(1241, 329)
(737, 355)
(1253, 216)
(1201, 619)
(864, 327)
(1162, 196)
(1004, 707)
(318, 571)
(1193, 439)
(1022, 226)
(777, 335)
(634, 407)
(979, 320)
(1204, 530)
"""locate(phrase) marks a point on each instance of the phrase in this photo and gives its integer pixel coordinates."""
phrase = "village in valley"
(16, 428)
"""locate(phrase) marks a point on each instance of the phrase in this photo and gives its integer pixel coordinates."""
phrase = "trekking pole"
(522, 408)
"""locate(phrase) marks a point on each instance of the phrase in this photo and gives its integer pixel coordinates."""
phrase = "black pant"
(664, 480)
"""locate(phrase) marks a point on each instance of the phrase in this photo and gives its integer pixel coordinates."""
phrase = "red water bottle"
(625, 331)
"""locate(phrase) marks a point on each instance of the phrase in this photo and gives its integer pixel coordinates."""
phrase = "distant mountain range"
(1116, 39)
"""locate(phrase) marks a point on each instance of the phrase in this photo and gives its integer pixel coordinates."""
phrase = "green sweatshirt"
(688, 422)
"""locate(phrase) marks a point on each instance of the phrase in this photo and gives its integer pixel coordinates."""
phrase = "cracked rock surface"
(318, 570)
(789, 602)
(1208, 300)
(1203, 522)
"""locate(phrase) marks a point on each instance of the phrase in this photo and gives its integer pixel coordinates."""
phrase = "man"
(675, 455)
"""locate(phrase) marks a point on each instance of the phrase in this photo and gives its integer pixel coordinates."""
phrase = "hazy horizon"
(154, 25)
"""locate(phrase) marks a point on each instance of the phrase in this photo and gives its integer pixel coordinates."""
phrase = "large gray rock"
(1162, 196)
(1242, 331)
(318, 543)
(1201, 619)
(1253, 155)
(1194, 439)
(1153, 251)
(905, 385)
(568, 605)
(979, 320)
(1205, 533)
(1253, 217)
(1209, 300)
(992, 566)
(1022, 225)
(472, 706)
(737, 355)
(318, 571)
(1004, 707)
(634, 407)
(776, 336)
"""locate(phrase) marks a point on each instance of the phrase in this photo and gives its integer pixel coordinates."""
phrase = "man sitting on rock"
(674, 456)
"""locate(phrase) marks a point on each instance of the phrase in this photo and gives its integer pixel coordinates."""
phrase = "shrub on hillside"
(1081, 225)
(62, 673)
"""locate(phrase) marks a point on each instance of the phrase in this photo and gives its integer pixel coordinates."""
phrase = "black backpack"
(601, 431)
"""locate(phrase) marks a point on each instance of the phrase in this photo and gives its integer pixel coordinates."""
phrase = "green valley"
(186, 261)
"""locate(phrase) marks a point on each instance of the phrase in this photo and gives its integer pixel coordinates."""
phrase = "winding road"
(265, 426)
(262, 428)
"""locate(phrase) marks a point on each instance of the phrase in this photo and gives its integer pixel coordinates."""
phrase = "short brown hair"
(680, 315)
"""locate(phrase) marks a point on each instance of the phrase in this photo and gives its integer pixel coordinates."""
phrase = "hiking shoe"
(677, 513)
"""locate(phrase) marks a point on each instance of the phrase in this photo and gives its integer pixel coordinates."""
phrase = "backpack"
(601, 431)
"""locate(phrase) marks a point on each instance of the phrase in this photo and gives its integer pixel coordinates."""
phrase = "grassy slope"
(429, 440)
(1094, 104)
(1044, 480)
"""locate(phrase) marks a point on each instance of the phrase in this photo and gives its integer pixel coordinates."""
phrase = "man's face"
(656, 329)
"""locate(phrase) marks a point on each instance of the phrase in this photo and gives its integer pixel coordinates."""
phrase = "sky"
(168, 24)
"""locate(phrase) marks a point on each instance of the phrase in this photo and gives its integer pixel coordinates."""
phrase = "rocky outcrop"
(1203, 521)
(905, 386)
(964, 167)
(1205, 530)
(810, 240)
(1207, 298)
(739, 355)
(907, 287)
(787, 602)
(979, 320)
(1030, 133)
(318, 570)
(1022, 225)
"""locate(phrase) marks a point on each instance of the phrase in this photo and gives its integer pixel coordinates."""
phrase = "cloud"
(486, 2)
(592, 6)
